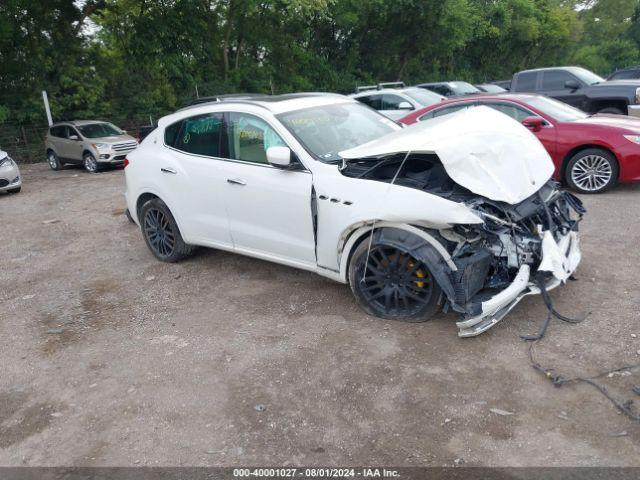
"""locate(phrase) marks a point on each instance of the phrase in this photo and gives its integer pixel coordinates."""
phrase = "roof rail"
(391, 85)
(365, 88)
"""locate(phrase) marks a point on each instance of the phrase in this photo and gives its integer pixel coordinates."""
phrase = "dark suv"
(582, 89)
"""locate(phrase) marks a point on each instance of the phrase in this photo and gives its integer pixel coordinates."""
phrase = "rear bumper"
(495, 308)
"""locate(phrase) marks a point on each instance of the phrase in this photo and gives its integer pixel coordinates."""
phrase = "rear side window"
(527, 81)
(374, 101)
(625, 75)
(441, 89)
(59, 131)
(200, 135)
(445, 111)
(509, 109)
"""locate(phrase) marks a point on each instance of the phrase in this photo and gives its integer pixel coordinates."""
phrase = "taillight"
(126, 162)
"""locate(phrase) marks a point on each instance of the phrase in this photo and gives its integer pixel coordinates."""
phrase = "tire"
(90, 163)
(161, 233)
(15, 190)
(53, 160)
(393, 288)
(615, 110)
(593, 170)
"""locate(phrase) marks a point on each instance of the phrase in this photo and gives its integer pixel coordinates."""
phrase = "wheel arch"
(87, 151)
(362, 231)
(142, 199)
(420, 243)
(569, 155)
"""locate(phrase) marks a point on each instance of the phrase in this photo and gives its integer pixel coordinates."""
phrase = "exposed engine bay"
(490, 256)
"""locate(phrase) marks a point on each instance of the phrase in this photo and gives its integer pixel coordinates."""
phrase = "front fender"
(418, 242)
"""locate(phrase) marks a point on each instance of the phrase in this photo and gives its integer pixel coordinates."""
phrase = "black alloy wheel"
(392, 284)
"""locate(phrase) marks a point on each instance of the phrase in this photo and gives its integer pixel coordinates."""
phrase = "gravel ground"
(110, 357)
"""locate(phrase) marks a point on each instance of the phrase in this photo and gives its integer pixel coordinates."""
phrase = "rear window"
(526, 81)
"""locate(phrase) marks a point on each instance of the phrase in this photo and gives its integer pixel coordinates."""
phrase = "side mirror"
(405, 106)
(534, 123)
(571, 85)
(279, 157)
(73, 137)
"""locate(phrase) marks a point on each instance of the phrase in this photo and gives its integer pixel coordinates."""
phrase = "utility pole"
(45, 99)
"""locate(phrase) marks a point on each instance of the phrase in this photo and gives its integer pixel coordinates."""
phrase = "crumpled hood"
(480, 148)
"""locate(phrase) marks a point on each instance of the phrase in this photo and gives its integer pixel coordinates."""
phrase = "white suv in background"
(396, 103)
(458, 210)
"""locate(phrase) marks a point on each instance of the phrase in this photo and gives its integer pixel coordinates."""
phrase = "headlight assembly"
(633, 138)
(6, 162)
(101, 147)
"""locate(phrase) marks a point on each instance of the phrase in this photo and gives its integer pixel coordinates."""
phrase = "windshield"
(328, 129)
(423, 97)
(556, 110)
(98, 130)
(586, 76)
(463, 88)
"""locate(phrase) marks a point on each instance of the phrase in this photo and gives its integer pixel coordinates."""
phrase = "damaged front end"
(518, 250)
(525, 239)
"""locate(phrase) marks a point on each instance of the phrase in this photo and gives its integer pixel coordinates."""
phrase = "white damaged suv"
(459, 212)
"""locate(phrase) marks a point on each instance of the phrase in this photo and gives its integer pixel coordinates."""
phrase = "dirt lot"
(109, 357)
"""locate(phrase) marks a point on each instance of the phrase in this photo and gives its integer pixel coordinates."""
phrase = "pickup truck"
(582, 89)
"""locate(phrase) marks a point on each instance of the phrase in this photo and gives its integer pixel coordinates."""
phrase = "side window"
(391, 102)
(526, 81)
(58, 131)
(625, 75)
(374, 101)
(441, 89)
(200, 135)
(511, 110)
(171, 133)
(250, 137)
(445, 111)
(554, 79)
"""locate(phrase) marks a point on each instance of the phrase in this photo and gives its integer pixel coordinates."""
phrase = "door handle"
(168, 170)
(236, 181)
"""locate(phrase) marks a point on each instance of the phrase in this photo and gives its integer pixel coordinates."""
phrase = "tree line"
(118, 59)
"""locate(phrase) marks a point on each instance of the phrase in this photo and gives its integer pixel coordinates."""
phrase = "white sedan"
(458, 212)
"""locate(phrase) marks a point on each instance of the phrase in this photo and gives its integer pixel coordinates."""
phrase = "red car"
(591, 152)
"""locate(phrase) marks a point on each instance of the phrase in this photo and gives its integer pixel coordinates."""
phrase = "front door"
(269, 208)
(553, 85)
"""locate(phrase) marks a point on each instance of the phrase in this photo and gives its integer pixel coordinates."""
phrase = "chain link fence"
(25, 143)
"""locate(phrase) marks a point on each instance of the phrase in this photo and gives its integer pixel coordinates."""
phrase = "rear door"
(190, 174)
